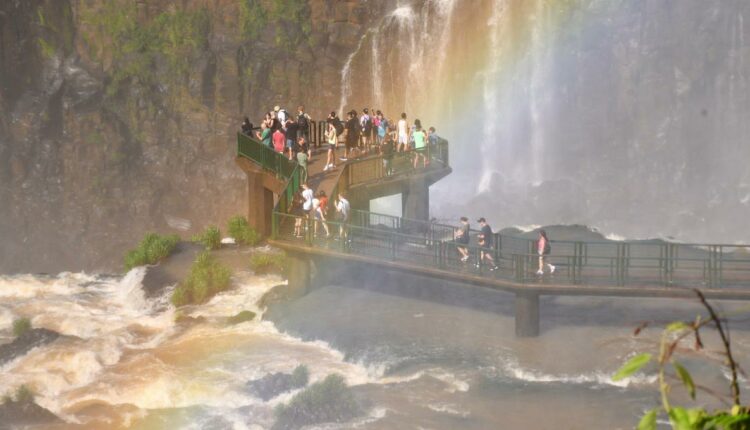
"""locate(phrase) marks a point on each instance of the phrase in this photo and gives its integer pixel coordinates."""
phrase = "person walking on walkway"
(485, 244)
(303, 123)
(303, 156)
(343, 208)
(279, 141)
(543, 248)
(365, 122)
(331, 137)
(403, 134)
(420, 144)
(461, 237)
(352, 136)
(264, 135)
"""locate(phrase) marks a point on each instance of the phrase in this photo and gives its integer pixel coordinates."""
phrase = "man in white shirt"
(343, 208)
(403, 134)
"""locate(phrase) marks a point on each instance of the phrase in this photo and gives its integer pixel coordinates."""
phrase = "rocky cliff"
(118, 117)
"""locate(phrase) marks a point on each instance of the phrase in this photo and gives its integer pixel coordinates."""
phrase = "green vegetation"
(210, 238)
(23, 394)
(48, 51)
(290, 20)
(241, 317)
(21, 326)
(241, 231)
(669, 368)
(152, 249)
(207, 278)
(112, 31)
(300, 376)
(327, 401)
(272, 262)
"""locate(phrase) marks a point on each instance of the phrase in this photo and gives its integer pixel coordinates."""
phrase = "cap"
(365, 110)
(481, 220)
(276, 108)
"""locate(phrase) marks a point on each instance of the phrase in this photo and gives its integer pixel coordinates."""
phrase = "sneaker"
(539, 272)
(326, 167)
(493, 268)
(551, 269)
(343, 159)
(464, 259)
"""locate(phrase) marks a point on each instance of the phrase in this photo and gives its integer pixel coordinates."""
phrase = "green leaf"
(648, 422)
(685, 377)
(633, 365)
(677, 326)
(687, 419)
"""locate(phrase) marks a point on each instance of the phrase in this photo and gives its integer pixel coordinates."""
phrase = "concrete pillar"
(415, 201)
(527, 314)
(259, 203)
(298, 274)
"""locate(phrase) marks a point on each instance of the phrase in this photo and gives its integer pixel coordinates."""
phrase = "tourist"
(343, 209)
(485, 244)
(433, 140)
(331, 137)
(352, 136)
(302, 156)
(319, 215)
(279, 141)
(461, 237)
(298, 212)
(420, 144)
(403, 134)
(307, 196)
(290, 130)
(365, 123)
(382, 127)
(281, 114)
(303, 123)
(247, 127)
(268, 121)
(264, 135)
(387, 150)
(543, 248)
(276, 124)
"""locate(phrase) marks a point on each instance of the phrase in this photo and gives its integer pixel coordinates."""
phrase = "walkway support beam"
(527, 314)
(415, 197)
(259, 203)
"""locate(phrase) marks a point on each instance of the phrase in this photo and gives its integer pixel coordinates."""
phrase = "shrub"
(263, 263)
(327, 401)
(24, 394)
(207, 278)
(210, 238)
(300, 376)
(21, 326)
(240, 230)
(241, 317)
(152, 249)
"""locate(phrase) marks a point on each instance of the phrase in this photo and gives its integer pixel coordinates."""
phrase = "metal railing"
(264, 156)
(384, 238)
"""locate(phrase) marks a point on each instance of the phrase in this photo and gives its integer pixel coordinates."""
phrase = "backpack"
(367, 126)
(547, 247)
(302, 122)
(339, 126)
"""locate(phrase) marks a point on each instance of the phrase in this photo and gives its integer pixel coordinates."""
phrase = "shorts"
(289, 143)
(402, 138)
(350, 144)
(318, 215)
(332, 146)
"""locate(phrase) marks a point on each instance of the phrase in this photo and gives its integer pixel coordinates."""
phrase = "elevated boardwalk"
(411, 244)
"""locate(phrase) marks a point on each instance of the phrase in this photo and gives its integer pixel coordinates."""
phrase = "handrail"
(265, 157)
(615, 263)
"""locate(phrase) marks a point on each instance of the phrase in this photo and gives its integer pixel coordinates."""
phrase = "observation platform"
(413, 245)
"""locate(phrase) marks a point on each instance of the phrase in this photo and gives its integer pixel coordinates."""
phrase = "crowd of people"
(313, 207)
(359, 135)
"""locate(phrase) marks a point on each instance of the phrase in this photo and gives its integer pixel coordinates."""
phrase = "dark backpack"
(339, 126)
(367, 126)
(302, 122)
(547, 247)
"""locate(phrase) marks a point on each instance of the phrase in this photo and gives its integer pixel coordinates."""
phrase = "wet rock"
(278, 294)
(274, 384)
(19, 414)
(241, 317)
(25, 343)
(327, 401)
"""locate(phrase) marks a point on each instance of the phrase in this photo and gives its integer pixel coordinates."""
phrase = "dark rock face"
(25, 343)
(118, 117)
(274, 384)
(19, 414)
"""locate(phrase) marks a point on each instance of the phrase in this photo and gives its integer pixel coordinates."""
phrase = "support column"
(298, 274)
(259, 203)
(416, 199)
(527, 314)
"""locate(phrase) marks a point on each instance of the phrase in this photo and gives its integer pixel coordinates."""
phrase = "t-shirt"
(308, 195)
(388, 150)
(419, 139)
(291, 131)
(265, 137)
(402, 127)
(382, 127)
(433, 139)
(352, 130)
(541, 244)
(463, 233)
(487, 233)
(278, 141)
(324, 204)
(343, 207)
(283, 116)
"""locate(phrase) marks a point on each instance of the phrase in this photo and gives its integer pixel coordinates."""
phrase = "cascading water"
(559, 103)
